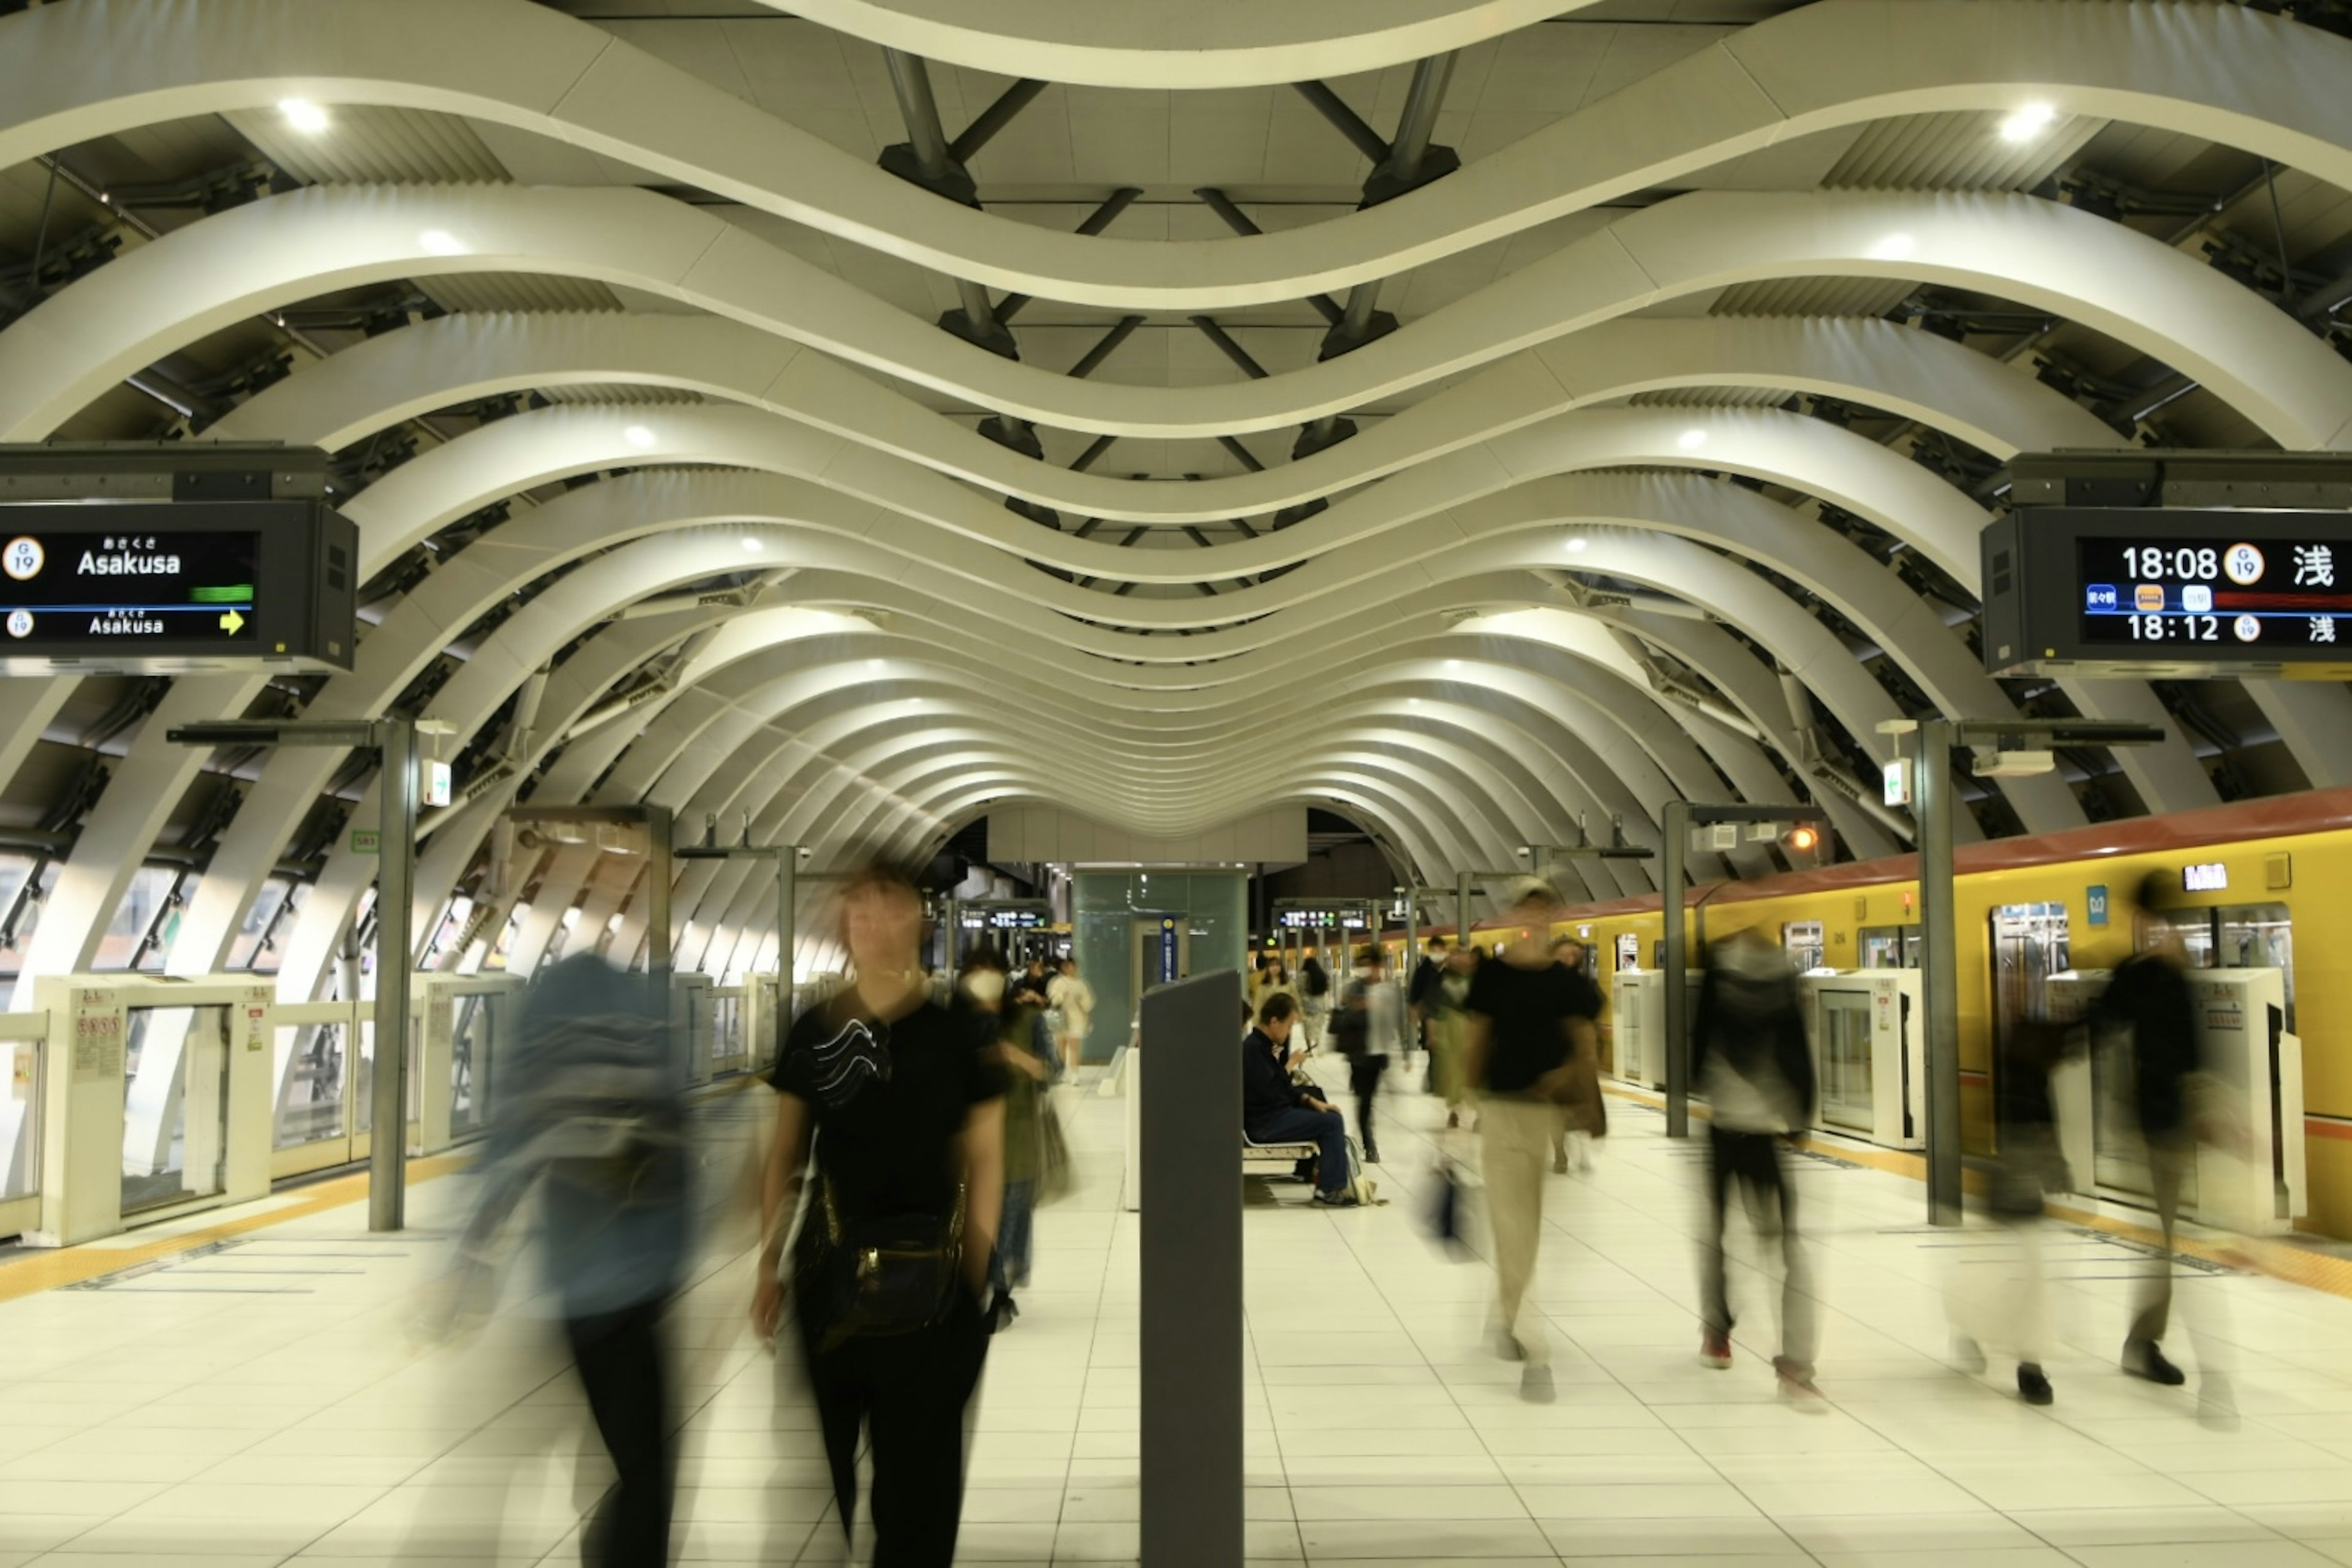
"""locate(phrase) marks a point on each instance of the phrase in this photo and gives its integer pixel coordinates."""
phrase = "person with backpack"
(890, 1268)
(591, 1116)
(1750, 1057)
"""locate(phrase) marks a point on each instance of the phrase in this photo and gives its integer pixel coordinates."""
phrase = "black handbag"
(876, 1277)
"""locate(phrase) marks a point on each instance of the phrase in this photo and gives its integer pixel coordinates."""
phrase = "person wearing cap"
(1531, 1022)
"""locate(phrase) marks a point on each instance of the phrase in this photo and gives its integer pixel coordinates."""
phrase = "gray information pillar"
(1190, 1120)
(1673, 911)
(788, 864)
(1462, 908)
(395, 957)
(1939, 980)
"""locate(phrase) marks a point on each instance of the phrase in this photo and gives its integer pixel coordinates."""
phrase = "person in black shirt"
(907, 1113)
(1276, 1110)
(2148, 1000)
(1531, 1026)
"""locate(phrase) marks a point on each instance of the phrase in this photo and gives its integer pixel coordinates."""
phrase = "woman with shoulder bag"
(907, 1113)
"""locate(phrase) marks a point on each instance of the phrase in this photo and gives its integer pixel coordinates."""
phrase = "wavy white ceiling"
(1559, 574)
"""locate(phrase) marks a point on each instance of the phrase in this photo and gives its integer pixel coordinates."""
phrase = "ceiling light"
(1452, 664)
(638, 435)
(303, 115)
(1894, 247)
(2028, 122)
(753, 545)
(1691, 440)
(872, 664)
(1576, 546)
(440, 242)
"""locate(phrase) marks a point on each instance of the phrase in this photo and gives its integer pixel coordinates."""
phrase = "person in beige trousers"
(1531, 1034)
(1071, 1001)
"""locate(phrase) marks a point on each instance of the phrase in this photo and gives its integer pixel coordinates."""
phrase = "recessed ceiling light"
(440, 242)
(638, 435)
(1894, 247)
(1576, 546)
(2027, 122)
(1691, 440)
(752, 545)
(303, 115)
(1452, 664)
(872, 664)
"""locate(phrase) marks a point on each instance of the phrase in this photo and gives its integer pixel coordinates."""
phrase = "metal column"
(1931, 809)
(395, 958)
(1192, 1276)
(1462, 907)
(788, 856)
(659, 937)
(1671, 912)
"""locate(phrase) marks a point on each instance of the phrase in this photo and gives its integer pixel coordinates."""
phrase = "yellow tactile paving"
(2280, 1259)
(39, 1271)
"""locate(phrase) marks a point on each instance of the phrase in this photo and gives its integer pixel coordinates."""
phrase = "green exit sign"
(367, 841)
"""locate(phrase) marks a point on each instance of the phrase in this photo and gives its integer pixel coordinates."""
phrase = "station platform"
(257, 1399)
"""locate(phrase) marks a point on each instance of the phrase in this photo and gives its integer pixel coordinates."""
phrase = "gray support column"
(788, 863)
(1931, 797)
(1462, 906)
(660, 875)
(955, 935)
(1191, 1276)
(394, 961)
(1671, 909)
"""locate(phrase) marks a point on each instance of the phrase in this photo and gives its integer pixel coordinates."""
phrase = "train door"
(2240, 936)
(2030, 944)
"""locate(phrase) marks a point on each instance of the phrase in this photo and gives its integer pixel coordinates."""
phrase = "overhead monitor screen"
(2219, 592)
(109, 589)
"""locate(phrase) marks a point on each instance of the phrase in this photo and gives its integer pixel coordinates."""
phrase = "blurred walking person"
(1526, 1034)
(2003, 1303)
(2149, 1011)
(1013, 1026)
(907, 1115)
(591, 1115)
(1367, 1028)
(1750, 1057)
(1314, 999)
(1070, 1010)
(1583, 1114)
(1448, 1007)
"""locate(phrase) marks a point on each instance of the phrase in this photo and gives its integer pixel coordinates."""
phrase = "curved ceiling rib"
(459, 359)
(66, 78)
(126, 315)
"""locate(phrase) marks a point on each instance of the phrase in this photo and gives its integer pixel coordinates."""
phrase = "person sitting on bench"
(1275, 1111)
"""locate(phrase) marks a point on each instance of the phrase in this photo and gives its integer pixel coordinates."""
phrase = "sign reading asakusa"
(154, 587)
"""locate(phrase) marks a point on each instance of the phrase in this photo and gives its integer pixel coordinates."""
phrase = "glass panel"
(1890, 947)
(1805, 945)
(20, 1119)
(311, 1084)
(146, 897)
(175, 1105)
(2030, 944)
(2257, 936)
(244, 949)
(472, 1040)
(1848, 1098)
(727, 1029)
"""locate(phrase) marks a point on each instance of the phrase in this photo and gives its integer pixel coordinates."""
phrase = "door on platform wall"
(1162, 952)
(2030, 944)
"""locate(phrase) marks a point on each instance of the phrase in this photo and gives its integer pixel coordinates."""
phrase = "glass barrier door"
(1848, 1090)
(473, 1042)
(175, 1105)
(20, 1126)
(318, 1078)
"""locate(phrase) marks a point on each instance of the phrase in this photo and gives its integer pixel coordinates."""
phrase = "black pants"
(908, 1392)
(1364, 1074)
(621, 1369)
(1751, 1162)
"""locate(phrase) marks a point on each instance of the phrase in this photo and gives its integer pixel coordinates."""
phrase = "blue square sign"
(2100, 598)
(2096, 898)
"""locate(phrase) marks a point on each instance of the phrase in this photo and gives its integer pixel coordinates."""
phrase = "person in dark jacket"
(591, 1117)
(1749, 1055)
(2147, 1001)
(1276, 1110)
(2004, 1301)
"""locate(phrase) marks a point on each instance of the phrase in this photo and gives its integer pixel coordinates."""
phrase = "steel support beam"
(992, 120)
(1346, 120)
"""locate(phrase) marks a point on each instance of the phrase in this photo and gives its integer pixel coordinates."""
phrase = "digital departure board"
(110, 588)
(2170, 592)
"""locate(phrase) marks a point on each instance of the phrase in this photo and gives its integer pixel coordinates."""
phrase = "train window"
(147, 919)
(1807, 948)
(1889, 947)
(2030, 944)
(2240, 936)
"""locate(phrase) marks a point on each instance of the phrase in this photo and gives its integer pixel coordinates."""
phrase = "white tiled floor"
(263, 1403)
